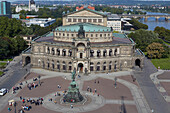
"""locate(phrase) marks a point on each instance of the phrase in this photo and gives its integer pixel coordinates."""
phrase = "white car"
(3, 91)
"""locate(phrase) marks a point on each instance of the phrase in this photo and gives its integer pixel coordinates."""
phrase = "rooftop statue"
(81, 32)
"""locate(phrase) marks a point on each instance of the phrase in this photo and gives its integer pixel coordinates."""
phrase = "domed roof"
(32, 2)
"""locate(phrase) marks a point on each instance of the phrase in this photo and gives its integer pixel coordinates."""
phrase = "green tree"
(137, 25)
(155, 50)
(143, 38)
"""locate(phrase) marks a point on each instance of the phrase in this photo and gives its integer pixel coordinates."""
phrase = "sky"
(69, 0)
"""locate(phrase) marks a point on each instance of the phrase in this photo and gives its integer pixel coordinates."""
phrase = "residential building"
(5, 9)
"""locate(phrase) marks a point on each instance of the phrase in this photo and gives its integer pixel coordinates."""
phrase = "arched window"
(110, 52)
(125, 63)
(91, 53)
(48, 50)
(98, 66)
(104, 66)
(53, 52)
(115, 65)
(91, 66)
(98, 53)
(58, 52)
(58, 65)
(110, 65)
(39, 62)
(64, 52)
(53, 64)
(48, 64)
(115, 52)
(70, 66)
(70, 52)
(104, 53)
(64, 65)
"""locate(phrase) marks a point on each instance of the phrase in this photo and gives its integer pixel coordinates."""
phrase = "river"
(152, 23)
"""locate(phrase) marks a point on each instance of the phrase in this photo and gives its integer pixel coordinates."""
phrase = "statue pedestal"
(73, 95)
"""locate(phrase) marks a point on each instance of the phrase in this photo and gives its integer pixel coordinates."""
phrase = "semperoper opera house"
(84, 43)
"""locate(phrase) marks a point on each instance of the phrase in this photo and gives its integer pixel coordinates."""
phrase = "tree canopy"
(155, 50)
(163, 33)
(143, 38)
(137, 25)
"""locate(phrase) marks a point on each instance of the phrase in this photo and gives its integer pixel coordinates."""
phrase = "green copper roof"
(50, 34)
(120, 35)
(88, 27)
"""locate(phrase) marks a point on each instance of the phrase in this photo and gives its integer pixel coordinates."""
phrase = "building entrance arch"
(137, 62)
(27, 60)
(80, 67)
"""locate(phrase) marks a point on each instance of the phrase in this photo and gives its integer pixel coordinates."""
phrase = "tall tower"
(5, 9)
(29, 5)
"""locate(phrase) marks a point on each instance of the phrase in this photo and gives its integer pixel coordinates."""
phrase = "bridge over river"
(156, 16)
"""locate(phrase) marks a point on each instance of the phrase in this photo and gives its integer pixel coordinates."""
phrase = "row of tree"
(11, 46)
(10, 30)
(148, 42)
(137, 25)
(163, 33)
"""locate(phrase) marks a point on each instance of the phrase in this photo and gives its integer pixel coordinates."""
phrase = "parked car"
(3, 91)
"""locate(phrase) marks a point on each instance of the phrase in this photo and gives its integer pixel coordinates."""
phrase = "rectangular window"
(96, 35)
(94, 20)
(99, 20)
(69, 20)
(84, 20)
(91, 35)
(100, 35)
(86, 35)
(89, 20)
(79, 20)
(67, 34)
(56, 34)
(72, 34)
(74, 20)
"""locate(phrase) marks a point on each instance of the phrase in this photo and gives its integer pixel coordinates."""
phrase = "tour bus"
(3, 91)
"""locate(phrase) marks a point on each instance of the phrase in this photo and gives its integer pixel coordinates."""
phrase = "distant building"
(43, 22)
(28, 38)
(32, 7)
(5, 9)
(114, 21)
(16, 16)
(82, 7)
(85, 15)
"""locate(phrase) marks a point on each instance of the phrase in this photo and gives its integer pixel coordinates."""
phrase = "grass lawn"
(1, 73)
(2, 64)
(164, 63)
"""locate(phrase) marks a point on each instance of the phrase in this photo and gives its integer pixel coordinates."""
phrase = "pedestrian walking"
(20, 97)
(98, 82)
(9, 109)
(71, 106)
(95, 90)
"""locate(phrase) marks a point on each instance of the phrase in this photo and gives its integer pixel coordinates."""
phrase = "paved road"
(152, 95)
(14, 74)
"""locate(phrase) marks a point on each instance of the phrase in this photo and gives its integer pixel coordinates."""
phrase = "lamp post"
(15, 104)
(115, 82)
(39, 79)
